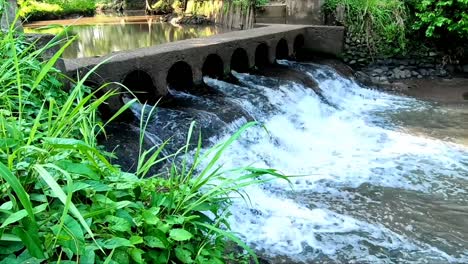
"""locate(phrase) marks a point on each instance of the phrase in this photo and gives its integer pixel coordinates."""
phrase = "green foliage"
(162, 7)
(53, 9)
(442, 18)
(378, 23)
(62, 201)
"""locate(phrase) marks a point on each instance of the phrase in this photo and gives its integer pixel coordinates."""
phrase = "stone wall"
(416, 64)
(135, 4)
(307, 12)
(304, 12)
(223, 12)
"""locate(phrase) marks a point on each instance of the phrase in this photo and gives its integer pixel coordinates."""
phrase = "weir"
(183, 63)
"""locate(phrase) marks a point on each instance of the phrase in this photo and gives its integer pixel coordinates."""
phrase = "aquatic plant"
(61, 200)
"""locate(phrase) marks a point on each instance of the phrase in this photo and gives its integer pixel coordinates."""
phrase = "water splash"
(344, 153)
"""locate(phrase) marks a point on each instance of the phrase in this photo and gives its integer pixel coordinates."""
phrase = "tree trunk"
(9, 15)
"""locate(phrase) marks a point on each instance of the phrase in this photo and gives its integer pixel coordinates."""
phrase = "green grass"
(380, 24)
(61, 200)
(55, 9)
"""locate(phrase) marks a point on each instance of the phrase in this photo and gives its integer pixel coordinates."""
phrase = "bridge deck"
(224, 38)
(225, 50)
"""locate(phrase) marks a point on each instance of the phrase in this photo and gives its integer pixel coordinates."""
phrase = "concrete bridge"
(182, 64)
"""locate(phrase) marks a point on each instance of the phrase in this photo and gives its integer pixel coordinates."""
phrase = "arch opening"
(262, 55)
(213, 67)
(141, 84)
(299, 42)
(180, 76)
(282, 50)
(240, 60)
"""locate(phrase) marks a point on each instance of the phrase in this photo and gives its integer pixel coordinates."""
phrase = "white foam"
(332, 148)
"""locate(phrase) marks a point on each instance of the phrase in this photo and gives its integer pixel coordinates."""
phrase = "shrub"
(442, 18)
(162, 7)
(62, 201)
(54, 9)
(379, 23)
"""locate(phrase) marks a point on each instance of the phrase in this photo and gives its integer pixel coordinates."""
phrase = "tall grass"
(61, 200)
(379, 23)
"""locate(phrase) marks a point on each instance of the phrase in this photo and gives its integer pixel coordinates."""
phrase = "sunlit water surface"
(381, 178)
(100, 35)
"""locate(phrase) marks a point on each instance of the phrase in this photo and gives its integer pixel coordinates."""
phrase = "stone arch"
(180, 76)
(240, 60)
(262, 55)
(299, 42)
(213, 66)
(282, 50)
(141, 84)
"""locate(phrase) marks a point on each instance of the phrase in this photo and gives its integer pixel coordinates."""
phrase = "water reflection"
(101, 39)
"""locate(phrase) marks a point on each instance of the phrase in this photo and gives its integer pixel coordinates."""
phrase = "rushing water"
(99, 35)
(374, 184)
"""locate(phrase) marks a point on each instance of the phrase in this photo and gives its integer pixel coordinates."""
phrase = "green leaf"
(6, 206)
(150, 217)
(72, 236)
(79, 168)
(118, 224)
(179, 234)
(136, 255)
(18, 189)
(89, 256)
(136, 240)
(154, 242)
(183, 255)
(115, 242)
(31, 241)
(121, 256)
(17, 216)
(58, 192)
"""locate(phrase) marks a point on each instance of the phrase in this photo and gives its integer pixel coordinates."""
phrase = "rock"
(442, 73)
(397, 73)
(407, 73)
(378, 71)
(419, 77)
(414, 73)
(352, 62)
(363, 78)
(400, 87)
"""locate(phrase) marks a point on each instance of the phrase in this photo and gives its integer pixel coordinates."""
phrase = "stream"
(373, 185)
(377, 177)
(104, 34)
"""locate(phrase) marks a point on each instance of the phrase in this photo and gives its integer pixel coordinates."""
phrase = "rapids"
(368, 186)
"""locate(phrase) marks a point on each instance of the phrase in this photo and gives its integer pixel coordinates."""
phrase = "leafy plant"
(380, 24)
(53, 9)
(440, 18)
(61, 200)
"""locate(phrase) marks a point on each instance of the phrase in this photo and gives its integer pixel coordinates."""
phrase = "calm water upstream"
(102, 35)
(377, 184)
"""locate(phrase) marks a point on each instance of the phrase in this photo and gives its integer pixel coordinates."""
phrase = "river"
(373, 185)
(104, 34)
(377, 177)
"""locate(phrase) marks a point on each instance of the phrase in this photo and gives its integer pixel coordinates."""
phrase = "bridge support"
(181, 64)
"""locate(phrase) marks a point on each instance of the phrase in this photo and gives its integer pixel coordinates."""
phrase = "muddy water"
(102, 35)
